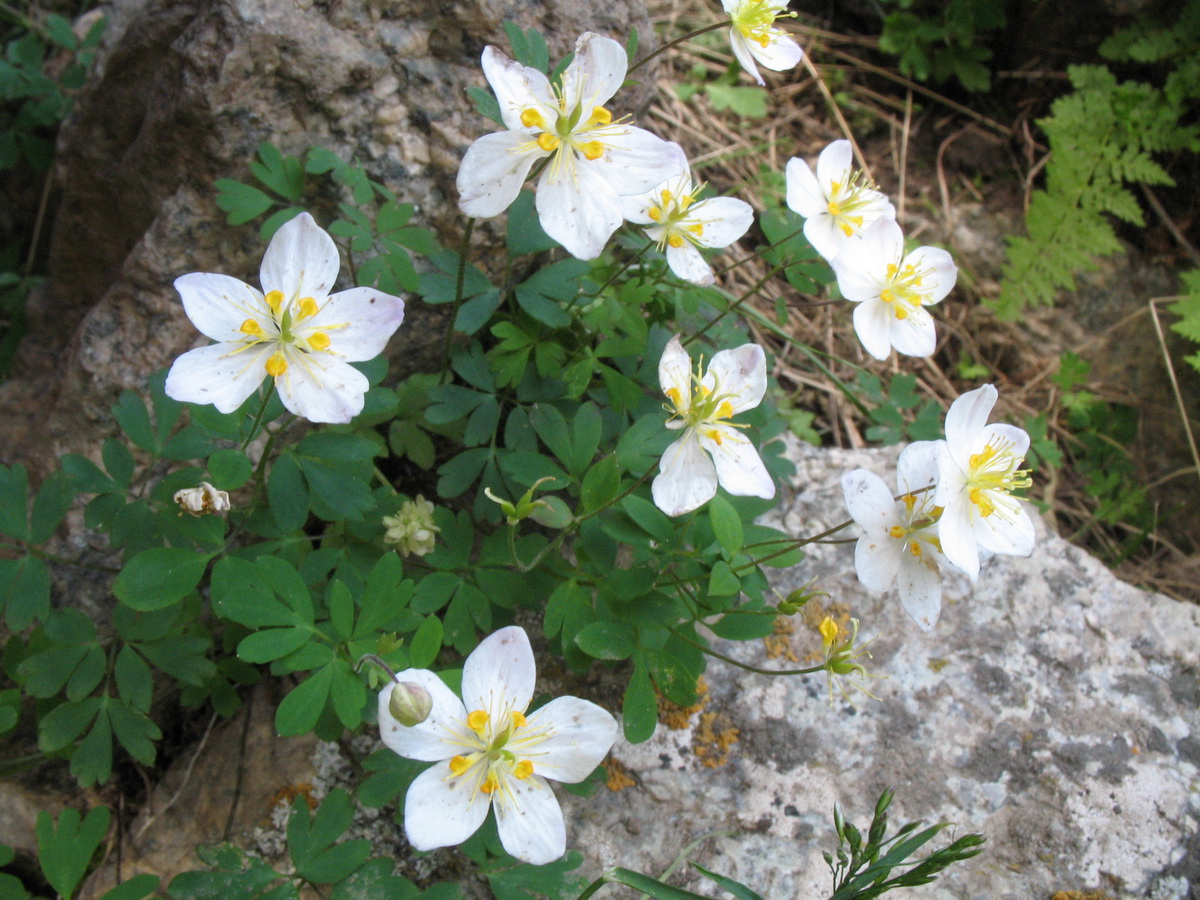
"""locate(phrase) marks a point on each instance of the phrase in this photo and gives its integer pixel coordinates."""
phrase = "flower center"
(904, 289)
(993, 476)
(570, 129)
(675, 213)
(755, 20)
(490, 741)
(290, 333)
(919, 516)
(848, 200)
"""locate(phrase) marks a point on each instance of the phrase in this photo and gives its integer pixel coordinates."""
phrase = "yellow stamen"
(847, 230)
(667, 197)
(673, 394)
(656, 214)
(523, 769)
(459, 764)
(674, 240)
(834, 209)
(251, 326)
(275, 300)
(548, 142)
(319, 341)
(531, 118)
(490, 785)
(980, 499)
(276, 365)
(724, 411)
(915, 549)
(308, 308)
(697, 229)
(593, 149)
(714, 435)
(599, 116)
(519, 719)
(829, 631)
(897, 531)
(886, 295)
(910, 500)
(477, 721)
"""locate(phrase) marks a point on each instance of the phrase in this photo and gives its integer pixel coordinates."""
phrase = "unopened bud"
(203, 500)
(799, 598)
(410, 703)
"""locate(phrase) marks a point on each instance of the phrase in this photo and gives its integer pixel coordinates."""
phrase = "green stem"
(736, 304)
(621, 271)
(625, 493)
(741, 665)
(679, 40)
(458, 294)
(590, 889)
(762, 250)
(262, 411)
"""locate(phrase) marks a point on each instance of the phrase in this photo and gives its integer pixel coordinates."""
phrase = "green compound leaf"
(373, 880)
(311, 841)
(299, 710)
(607, 640)
(526, 882)
(14, 496)
(154, 579)
(640, 709)
(136, 888)
(65, 850)
(287, 493)
(601, 483)
(726, 525)
(230, 469)
(24, 591)
(234, 875)
(241, 201)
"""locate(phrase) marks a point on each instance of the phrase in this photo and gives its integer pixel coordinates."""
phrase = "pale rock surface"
(1053, 708)
(184, 93)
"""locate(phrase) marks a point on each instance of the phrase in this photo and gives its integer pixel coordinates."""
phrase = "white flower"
(979, 468)
(755, 37)
(488, 753)
(681, 223)
(837, 202)
(900, 537)
(711, 449)
(202, 500)
(593, 159)
(293, 330)
(892, 289)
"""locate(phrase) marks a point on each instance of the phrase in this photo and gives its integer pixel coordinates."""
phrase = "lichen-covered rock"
(1053, 708)
(185, 92)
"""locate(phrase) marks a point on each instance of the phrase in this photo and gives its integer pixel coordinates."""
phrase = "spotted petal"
(687, 478)
(322, 388)
(739, 467)
(222, 374)
(518, 88)
(218, 305)
(440, 811)
(741, 374)
(301, 260)
(580, 734)
(498, 676)
(440, 736)
(577, 206)
(596, 72)
(493, 170)
(530, 821)
(360, 322)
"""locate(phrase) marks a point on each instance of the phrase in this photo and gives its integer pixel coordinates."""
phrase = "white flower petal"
(966, 418)
(218, 305)
(301, 260)
(635, 160)
(688, 263)
(780, 54)
(917, 467)
(321, 388)
(836, 163)
(218, 374)
(741, 50)
(517, 88)
(596, 72)
(804, 194)
(920, 585)
(675, 374)
(877, 560)
(725, 220)
(873, 325)
(361, 321)
(580, 735)
(957, 536)
(687, 478)
(915, 334)
(826, 238)
(739, 467)
(530, 821)
(439, 736)
(999, 434)
(740, 375)
(941, 272)
(499, 675)
(869, 501)
(493, 170)
(441, 811)
(577, 207)
(1008, 530)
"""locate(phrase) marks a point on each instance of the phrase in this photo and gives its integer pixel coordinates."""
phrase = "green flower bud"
(409, 703)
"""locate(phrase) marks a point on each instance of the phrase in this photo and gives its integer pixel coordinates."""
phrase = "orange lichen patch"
(678, 717)
(713, 737)
(287, 794)
(779, 643)
(1081, 895)
(619, 777)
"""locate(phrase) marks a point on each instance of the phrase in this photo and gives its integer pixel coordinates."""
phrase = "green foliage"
(66, 848)
(1188, 310)
(724, 92)
(941, 41)
(1103, 137)
(899, 413)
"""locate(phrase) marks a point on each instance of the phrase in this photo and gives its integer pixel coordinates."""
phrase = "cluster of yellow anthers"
(755, 20)
(849, 199)
(565, 127)
(904, 289)
(994, 475)
(286, 320)
(500, 762)
(671, 209)
(916, 524)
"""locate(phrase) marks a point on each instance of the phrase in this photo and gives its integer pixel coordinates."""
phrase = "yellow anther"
(858, 221)
(835, 188)
(724, 411)
(886, 295)
(308, 308)
(829, 631)
(519, 719)
(891, 271)
(477, 721)
(834, 209)
(714, 435)
(981, 458)
(275, 300)
(251, 326)
(847, 230)
(910, 500)
(897, 531)
(697, 229)
(531, 118)
(655, 214)
(673, 393)
(490, 785)
(599, 116)
(319, 340)
(276, 365)
(548, 142)
(667, 197)
(459, 764)
(523, 769)
(674, 240)
(915, 549)
(593, 149)
(901, 313)
(980, 499)
(764, 41)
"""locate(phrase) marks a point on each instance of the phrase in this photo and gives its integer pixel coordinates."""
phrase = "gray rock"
(1053, 708)
(186, 90)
